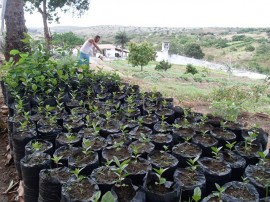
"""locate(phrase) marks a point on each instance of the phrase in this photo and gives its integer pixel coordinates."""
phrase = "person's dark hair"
(97, 37)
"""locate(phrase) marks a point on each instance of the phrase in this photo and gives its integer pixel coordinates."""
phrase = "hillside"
(243, 47)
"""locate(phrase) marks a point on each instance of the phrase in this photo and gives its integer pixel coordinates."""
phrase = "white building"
(111, 51)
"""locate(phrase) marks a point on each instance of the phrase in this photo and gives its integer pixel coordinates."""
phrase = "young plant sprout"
(158, 173)
(119, 170)
(73, 94)
(263, 156)
(219, 191)
(248, 140)
(118, 145)
(140, 121)
(135, 151)
(193, 165)
(108, 115)
(215, 151)
(203, 119)
(230, 145)
(36, 146)
(187, 139)
(197, 194)
(163, 121)
(76, 172)
(144, 139)
(86, 146)
(223, 125)
(56, 160)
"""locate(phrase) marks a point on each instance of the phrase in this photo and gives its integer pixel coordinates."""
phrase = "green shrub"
(250, 48)
(163, 66)
(238, 37)
(229, 101)
(198, 78)
(191, 69)
(193, 50)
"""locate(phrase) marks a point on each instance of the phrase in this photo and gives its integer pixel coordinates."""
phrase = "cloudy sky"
(169, 13)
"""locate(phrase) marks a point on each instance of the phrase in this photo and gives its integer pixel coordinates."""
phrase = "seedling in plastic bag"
(197, 194)
(263, 156)
(56, 160)
(119, 170)
(230, 145)
(36, 146)
(159, 172)
(193, 165)
(219, 191)
(215, 151)
(76, 172)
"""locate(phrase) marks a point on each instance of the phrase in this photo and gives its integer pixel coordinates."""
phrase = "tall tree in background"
(50, 9)
(121, 38)
(15, 27)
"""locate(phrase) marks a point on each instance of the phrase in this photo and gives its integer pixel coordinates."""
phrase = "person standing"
(86, 48)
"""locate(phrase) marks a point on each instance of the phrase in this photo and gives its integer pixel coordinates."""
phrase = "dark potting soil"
(214, 199)
(65, 153)
(105, 175)
(61, 175)
(135, 167)
(188, 149)
(49, 128)
(189, 178)
(251, 151)
(184, 132)
(206, 139)
(161, 138)
(117, 138)
(97, 143)
(215, 166)
(220, 133)
(143, 147)
(150, 119)
(81, 158)
(81, 190)
(203, 127)
(136, 132)
(162, 160)
(262, 176)
(64, 138)
(125, 193)
(121, 153)
(240, 193)
(160, 189)
(229, 157)
(36, 160)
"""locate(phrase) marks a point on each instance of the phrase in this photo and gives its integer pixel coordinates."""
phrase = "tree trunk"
(47, 35)
(15, 27)
(122, 47)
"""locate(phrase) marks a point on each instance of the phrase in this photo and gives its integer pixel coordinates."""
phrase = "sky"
(168, 13)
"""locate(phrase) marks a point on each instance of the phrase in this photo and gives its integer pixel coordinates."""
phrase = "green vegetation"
(163, 66)
(141, 54)
(227, 96)
(67, 40)
(194, 50)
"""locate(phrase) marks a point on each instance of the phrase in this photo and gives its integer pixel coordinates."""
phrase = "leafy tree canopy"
(54, 6)
(121, 38)
(141, 54)
(68, 39)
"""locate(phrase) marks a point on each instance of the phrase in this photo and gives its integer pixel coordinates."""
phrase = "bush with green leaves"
(163, 66)
(193, 50)
(190, 69)
(249, 48)
(229, 101)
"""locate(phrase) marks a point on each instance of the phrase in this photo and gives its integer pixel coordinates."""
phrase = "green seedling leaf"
(107, 197)
(197, 194)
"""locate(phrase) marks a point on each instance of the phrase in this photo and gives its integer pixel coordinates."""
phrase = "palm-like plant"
(121, 38)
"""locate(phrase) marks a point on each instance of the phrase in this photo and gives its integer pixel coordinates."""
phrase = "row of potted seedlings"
(81, 141)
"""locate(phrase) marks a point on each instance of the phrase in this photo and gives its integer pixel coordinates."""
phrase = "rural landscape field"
(89, 133)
